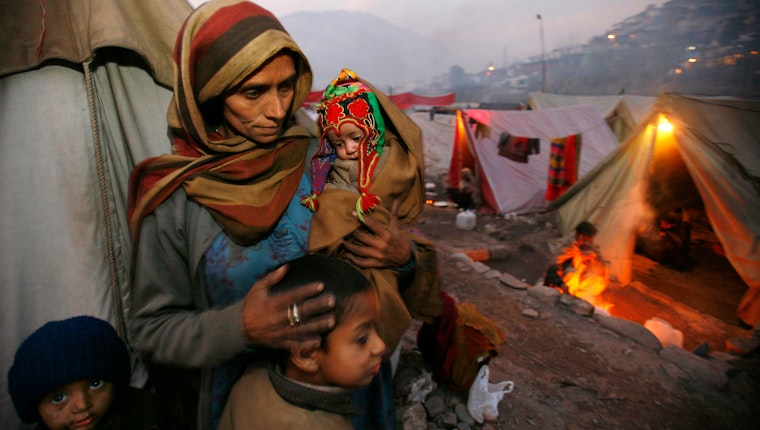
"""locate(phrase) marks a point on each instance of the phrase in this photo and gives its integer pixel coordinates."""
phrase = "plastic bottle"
(466, 220)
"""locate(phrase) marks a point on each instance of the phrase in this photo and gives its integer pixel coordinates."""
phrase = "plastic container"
(466, 220)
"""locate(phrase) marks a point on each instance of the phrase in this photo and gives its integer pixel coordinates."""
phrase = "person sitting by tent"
(670, 245)
(467, 196)
(585, 232)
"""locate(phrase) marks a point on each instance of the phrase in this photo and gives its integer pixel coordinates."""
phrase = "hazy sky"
(498, 32)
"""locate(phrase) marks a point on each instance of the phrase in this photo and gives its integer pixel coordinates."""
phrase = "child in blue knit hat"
(74, 374)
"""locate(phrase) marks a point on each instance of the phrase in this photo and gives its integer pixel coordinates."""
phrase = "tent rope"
(115, 293)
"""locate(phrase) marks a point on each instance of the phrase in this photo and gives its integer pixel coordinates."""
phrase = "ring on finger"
(294, 317)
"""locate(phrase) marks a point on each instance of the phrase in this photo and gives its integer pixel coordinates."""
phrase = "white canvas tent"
(622, 112)
(711, 158)
(512, 187)
(437, 140)
(83, 97)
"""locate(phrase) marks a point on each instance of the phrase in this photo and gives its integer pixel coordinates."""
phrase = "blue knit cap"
(61, 352)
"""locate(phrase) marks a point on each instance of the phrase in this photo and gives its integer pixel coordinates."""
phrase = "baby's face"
(78, 405)
(346, 143)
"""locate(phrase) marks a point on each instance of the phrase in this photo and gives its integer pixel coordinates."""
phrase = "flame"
(588, 277)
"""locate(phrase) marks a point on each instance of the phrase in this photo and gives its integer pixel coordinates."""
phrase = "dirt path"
(576, 372)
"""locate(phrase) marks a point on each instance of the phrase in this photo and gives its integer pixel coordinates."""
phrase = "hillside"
(375, 48)
(706, 47)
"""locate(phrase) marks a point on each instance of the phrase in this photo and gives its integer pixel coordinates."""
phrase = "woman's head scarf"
(245, 187)
(348, 101)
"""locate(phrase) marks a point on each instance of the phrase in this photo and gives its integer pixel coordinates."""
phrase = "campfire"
(586, 276)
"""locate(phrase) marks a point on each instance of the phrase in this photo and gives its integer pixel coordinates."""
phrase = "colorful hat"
(61, 352)
(347, 100)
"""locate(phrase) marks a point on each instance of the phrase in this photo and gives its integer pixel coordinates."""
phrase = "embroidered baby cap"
(347, 100)
(62, 352)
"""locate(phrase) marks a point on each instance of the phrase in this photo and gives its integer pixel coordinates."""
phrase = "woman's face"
(79, 405)
(257, 108)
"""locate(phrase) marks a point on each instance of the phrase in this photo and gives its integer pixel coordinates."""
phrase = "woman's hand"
(383, 248)
(269, 321)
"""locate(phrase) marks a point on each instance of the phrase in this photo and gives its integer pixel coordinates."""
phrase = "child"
(368, 171)
(312, 388)
(352, 144)
(582, 247)
(370, 156)
(75, 373)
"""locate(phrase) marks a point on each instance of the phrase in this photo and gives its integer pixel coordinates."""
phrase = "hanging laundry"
(518, 148)
(564, 158)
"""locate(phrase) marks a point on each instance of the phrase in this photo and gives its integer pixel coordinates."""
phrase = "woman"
(212, 222)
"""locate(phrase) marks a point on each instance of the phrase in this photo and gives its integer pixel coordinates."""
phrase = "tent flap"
(716, 139)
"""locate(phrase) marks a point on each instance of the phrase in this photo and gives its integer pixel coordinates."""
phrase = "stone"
(434, 405)
(479, 267)
(513, 282)
(413, 417)
(460, 256)
(449, 420)
(492, 274)
(578, 306)
(634, 331)
(530, 313)
(464, 417)
(696, 367)
(403, 381)
(544, 294)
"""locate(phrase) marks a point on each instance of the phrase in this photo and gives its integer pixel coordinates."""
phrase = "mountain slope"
(377, 50)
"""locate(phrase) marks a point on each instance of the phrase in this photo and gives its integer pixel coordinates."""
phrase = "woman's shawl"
(245, 187)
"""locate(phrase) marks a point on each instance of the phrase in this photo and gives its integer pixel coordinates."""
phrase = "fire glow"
(588, 277)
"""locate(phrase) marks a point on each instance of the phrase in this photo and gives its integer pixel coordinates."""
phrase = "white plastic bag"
(483, 400)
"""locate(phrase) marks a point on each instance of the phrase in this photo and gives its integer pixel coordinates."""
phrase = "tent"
(437, 140)
(622, 112)
(508, 186)
(710, 161)
(84, 91)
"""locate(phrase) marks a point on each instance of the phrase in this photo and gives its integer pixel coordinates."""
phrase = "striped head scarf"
(244, 186)
(347, 100)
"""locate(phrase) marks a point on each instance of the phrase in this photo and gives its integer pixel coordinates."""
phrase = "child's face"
(585, 241)
(79, 405)
(347, 143)
(353, 353)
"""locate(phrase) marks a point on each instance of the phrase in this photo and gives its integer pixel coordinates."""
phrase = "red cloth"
(563, 165)
(458, 342)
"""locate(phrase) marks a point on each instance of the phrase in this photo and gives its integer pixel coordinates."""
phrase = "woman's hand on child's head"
(384, 247)
(268, 319)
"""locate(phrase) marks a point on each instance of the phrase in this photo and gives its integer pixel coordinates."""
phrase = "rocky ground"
(573, 366)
